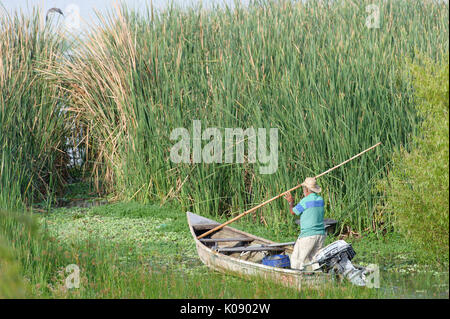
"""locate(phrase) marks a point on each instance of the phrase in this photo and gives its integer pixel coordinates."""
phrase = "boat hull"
(244, 268)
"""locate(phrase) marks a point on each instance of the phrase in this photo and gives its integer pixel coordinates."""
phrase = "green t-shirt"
(311, 211)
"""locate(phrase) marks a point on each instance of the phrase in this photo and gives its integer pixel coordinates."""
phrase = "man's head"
(310, 186)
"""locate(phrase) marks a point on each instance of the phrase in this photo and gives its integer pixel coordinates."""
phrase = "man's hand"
(289, 197)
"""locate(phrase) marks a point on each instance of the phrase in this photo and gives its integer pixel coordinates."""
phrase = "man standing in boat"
(312, 228)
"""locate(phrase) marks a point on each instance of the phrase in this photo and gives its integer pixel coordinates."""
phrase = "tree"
(418, 184)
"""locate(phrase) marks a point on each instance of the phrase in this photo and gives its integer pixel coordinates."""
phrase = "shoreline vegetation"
(328, 83)
(133, 250)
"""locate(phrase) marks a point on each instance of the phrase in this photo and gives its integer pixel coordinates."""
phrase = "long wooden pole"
(278, 196)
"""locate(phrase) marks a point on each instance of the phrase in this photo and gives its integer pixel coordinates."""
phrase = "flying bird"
(57, 10)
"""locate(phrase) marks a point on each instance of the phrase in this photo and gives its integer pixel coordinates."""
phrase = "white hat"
(310, 183)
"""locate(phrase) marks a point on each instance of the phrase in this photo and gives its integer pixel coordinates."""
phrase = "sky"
(79, 13)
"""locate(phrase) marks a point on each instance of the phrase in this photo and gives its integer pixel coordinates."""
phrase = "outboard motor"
(336, 257)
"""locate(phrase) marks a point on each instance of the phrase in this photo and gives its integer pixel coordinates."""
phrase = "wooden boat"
(232, 251)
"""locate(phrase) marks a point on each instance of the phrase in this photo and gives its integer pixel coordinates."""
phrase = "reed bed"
(33, 129)
(331, 86)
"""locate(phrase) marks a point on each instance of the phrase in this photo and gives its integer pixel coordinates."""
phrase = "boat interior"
(239, 245)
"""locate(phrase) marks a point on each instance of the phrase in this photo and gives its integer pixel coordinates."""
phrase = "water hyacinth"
(158, 245)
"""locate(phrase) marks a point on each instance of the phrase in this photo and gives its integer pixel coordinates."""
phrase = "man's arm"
(290, 199)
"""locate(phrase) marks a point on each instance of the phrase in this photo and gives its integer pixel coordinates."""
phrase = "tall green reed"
(331, 86)
(33, 130)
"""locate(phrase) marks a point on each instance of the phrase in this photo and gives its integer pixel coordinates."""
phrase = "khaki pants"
(304, 250)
